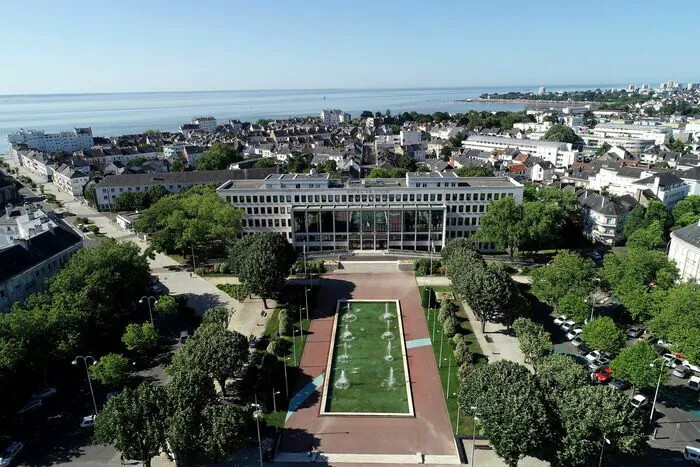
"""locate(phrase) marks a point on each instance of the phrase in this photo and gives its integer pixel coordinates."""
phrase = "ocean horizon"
(112, 114)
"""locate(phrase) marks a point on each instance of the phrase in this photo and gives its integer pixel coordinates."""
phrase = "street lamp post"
(257, 414)
(442, 338)
(658, 384)
(476, 419)
(87, 371)
(449, 373)
(148, 300)
(286, 384)
(274, 399)
(602, 448)
(294, 344)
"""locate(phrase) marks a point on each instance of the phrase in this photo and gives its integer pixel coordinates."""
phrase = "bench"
(488, 339)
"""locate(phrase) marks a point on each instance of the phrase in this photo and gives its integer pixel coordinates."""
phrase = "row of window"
(368, 198)
(268, 210)
(455, 221)
(265, 222)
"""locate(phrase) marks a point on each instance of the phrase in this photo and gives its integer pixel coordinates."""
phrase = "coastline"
(532, 102)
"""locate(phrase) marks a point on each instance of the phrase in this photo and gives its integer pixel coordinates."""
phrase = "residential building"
(602, 217)
(633, 145)
(8, 190)
(658, 134)
(33, 247)
(559, 154)
(334, 117)
(667, 187)
(70, 180)
(65, 141)
(207, 124)
(110, 187)
(446, 131)
(684, 249)
(412, 213)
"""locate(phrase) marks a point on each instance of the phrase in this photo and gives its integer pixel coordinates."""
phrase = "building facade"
(334, 117)
(559, 154)
(66, 141)
(684, 249)
(420, 212)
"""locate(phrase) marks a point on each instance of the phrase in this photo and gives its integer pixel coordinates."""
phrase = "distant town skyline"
(164, 46)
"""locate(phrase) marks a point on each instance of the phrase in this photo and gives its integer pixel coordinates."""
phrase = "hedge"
(428, 298)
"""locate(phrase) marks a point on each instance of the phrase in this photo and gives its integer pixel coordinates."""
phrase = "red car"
(602, 376)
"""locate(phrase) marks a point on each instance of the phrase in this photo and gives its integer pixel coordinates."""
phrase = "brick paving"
(429, 432)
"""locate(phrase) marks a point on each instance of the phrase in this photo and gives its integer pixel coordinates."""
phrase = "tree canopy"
(561, 133)
(535, 342)
(111, 370)
(474, 172)
(602, 334)
(634, 364)
(676, 317)
(218, 157)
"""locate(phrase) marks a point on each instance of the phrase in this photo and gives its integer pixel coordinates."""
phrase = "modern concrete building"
(559, 154)
(659, 134)
(684, 249)
(334, 117)
(207, 124)
(66, 141)
(411, 213)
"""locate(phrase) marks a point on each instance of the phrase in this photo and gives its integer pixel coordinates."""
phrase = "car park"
(593, 355)
(583, 349)
(44, 393)
(577, 341)
(619, 384)
(31, 405)
(559, 320)
(598, 363)
(681, 372)
(574, 332)
(602, 376)
(568, 325)
(691, 367)
(10, 453)
(639, 401)
(634, 332)
(694, 383)
(88, 421)
(672, 361)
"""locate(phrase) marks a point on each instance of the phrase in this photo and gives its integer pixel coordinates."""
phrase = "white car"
(48, 392)
(10, 453)
(559, 320)
(568, 325)
(639, 401)
(577, 341)
(672, 361)
(574, 332)
(598, 363)
(594, 355)
(691, 367)
(694, 383)
(88, 421)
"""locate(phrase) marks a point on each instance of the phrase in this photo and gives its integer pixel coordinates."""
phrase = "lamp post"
(148, 300)
(602, 448)
(274, 399)
(257, 414)
(286, 384)
(476, 419)
(87, 371)
(294, 344)
(449, 373)
(658, 384)
(442, 338)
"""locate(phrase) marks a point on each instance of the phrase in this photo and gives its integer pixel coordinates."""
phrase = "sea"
(112, 114)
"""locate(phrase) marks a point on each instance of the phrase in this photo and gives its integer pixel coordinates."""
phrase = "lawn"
(367, 371)
(448, 369)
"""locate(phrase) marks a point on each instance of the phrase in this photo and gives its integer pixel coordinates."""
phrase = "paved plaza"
(368, 439)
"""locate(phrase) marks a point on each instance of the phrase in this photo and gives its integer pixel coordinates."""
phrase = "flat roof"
(201, 177)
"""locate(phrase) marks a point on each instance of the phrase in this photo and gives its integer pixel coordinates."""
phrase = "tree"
(446, 153)
(535, 342)
(561, 133)
(566, 281)
(330, 166)
(635, 365)
(366, 114)
(219, 315)
(604, 148)
(298, 163)
(602, 334)
(589, 119)
(474, 172)
(218, 157)
(502, 225)
(686, 211)
(140, 337)
(166, 305)
(265, 163)
(111, 370)
(510, 408)
(657, 211)
(559, 373)
(265, 263)
(226, 430)
(218, 352)
(493, 296)
(135, 422)
(648, 238)
(129, 201)
(635, 220)
(177, 166)
(677, 318)
(196, 217)
(678, 146)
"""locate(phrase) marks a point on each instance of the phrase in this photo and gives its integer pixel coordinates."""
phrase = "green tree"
(604, 148)
(602, 334)
(565, 282)
(688, 205)
(510, 408)
(535, 342)
(166, 305)
(558, 373)
(219, 315)
(658, 212)
(129, 201)
(648, 238)
(474, 172)
(111, 370)
(265, 263)
(502, 225)
(678, 146)
(298, 163)
(589, 119)
(366, 114)
(329, 166)
(493, 296)
(134, 422)
(635, 220)
(677, 319)
(177, 166)
(218, 352)
(561, 133)
(218, 157)
(140, 337)
(265, 163)
(226, 430)
(635, 364)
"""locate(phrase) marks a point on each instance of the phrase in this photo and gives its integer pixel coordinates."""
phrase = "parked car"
(31, 405)
(88, 421)
(574, 332)
(598, 363)
(634, 332)
(681, 371)
(619, 384)
(44, 393)
(111, 395)
(584, 349)
(595, 354)
(10, 453)
(568, 325)
(184, 335)
(694, 383)
(639, 401)
(691, 367)
(672, 361)
(664, 343)
(559, 320)
(602, 376)
(692, 454)
(577, 342)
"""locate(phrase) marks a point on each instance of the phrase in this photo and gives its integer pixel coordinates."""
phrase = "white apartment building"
(334, 117)
(66, 141)
(446, 131)
(633, 145)
(207, 124)
(658, 134)
(404, 138)
(684, 249)
(37, 162)
(603, 218)
(70, 180)
(412, 213)
(620, 181)
(559, 154)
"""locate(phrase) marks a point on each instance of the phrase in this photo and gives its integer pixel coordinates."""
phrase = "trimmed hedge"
(428, 298)
(422, 267)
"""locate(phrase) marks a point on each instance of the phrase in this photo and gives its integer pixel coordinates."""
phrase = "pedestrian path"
(299, 398)
(412, 344)
(362, 459)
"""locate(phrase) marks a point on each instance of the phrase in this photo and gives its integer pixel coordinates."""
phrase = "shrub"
(312, 267)
(456, 339)
(200, 271)
(450, 325)
(277, 347)
(94, 229)
(463, 371)
(224, 268)
(285, 324)
(463, 354)
(428, 299)
(422, 267)
(525, 271)
(447, 308)
(237, 291)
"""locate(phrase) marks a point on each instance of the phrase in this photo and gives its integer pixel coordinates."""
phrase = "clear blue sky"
(157, 45)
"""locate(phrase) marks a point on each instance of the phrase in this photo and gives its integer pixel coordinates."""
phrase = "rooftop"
(196, 177)
(689, 234)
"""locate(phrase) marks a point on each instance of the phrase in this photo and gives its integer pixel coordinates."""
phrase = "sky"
(157, 45)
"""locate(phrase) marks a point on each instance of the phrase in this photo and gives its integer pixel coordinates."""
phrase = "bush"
(224, 268)
(277, 347)
(312, 267)
(447, 308)
(463, 371)
(427, 297)
(463, 354)
(94, 229)
(200, 271)
(422, 267)
(285, 324)
(456, 339)
(525, 271)
(450, 326)
(237, 291)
